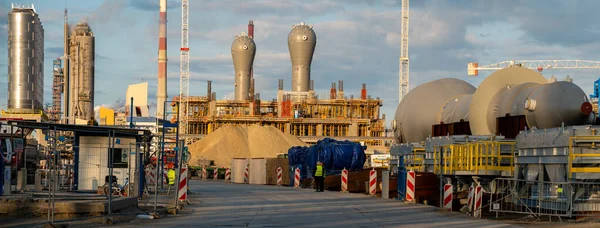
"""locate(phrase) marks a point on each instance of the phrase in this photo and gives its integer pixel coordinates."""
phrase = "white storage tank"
(258, 171)
(238, 167)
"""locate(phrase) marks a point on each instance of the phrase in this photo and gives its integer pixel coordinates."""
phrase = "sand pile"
(230, 142)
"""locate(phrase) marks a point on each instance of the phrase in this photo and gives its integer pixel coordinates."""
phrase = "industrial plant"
(517, 143)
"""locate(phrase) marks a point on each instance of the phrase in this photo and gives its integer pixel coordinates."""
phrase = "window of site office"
(118, 157)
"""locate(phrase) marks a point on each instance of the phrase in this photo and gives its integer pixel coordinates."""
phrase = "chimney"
(363, 92)
(161, 96)
(251, 29)
(332, 92)
(209, 90)
(280, 84)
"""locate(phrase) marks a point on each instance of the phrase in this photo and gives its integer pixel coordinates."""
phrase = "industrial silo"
(25, 60)
(81, 77)
(243, 50)
(301, 43)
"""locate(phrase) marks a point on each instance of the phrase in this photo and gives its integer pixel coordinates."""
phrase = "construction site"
(520, 145)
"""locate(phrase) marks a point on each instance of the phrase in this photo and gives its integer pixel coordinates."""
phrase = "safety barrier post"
(470, 200)
(183, 183)
(297, 178)
(372, 182)
(478, 201)
(448, 197)
(216, 173)
(228, 175)
(410, 186)
(279, 172)
(344, 180)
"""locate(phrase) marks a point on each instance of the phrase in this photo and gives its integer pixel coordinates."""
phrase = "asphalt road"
(218, 204)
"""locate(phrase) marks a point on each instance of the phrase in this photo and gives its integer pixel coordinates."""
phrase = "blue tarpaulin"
(335, 155)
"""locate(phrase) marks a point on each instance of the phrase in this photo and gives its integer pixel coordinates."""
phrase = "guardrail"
(483, 158)
(575, 156)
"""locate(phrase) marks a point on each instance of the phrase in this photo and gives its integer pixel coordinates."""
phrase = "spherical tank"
(243, 50)
(421, 107)
(480, 120)
(550, 105)
(301, 43)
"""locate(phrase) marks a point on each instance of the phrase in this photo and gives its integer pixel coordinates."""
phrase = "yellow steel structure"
(309, 117)
(573, 155)
(415, 161)
(480, 158)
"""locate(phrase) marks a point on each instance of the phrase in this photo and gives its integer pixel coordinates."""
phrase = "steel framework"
(404, 77)
(184, 70)
(539, 65)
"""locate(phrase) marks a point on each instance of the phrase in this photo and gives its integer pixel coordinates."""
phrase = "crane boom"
(404, 79)
(540, 65)
(184, 70)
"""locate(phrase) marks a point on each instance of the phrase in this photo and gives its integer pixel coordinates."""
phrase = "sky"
(358, 42)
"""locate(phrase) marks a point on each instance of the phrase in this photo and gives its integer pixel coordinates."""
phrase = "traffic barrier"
(204, 173)
(344, 180)
(410, 186)
(246, 176)
(470, 200)
(279, 176)
(216, 173)
(297, 178)
(372, 182)
(448, 197)
(228, 174)
(183, 183)
(478, 198)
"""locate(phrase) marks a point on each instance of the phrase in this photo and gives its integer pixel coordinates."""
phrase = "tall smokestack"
(301, 44)
(66, 74)
(161, 96)
(251, 36)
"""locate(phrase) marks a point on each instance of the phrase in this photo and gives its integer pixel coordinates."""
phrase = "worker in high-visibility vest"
(171, 176)
(319, 174)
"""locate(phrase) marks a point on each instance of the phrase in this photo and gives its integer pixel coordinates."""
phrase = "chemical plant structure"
(526, 140)
(300, 112)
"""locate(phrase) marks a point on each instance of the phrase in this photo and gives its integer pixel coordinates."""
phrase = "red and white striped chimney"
(161, 95)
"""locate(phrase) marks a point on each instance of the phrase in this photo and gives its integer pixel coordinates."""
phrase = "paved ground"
(234, 205)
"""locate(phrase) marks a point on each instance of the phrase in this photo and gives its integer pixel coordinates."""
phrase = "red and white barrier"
(448, 197)
(204, 173)
(410, 186)
(216, 173)
(279, 171)
(297, 178)
(246, 176)
(372, 182)
(228, 174)
(344, 180)
(470, 200)
(183, 183)
(478, 201)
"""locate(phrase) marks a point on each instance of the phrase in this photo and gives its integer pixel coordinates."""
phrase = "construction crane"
(473, 68)
(184, 70)
(404, 78)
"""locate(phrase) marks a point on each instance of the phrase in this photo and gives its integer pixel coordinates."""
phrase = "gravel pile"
(230, 142)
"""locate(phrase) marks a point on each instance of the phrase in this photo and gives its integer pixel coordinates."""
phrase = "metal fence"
(539, 198)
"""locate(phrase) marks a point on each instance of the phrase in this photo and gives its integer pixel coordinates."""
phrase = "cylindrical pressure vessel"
(243, 50)
(301, 43)
(421, 107)
(550, 105)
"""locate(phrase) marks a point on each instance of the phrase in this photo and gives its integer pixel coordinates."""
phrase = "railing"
(540, 198)
(577, 156)
(416, 160)
(483, 158)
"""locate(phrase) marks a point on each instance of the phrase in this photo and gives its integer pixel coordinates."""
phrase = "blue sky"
(358, 41)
